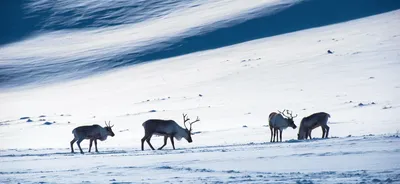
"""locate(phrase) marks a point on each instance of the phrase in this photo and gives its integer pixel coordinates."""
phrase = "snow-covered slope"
(227, 88)
(240, 85)
(367, 159)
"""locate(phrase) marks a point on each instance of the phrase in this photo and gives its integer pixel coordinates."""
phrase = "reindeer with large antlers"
(168, 129)
(92, 133)
(280, 121)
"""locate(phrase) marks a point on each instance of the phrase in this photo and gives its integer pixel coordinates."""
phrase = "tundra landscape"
(67, 64)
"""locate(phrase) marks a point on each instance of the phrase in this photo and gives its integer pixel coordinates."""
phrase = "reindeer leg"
(309, 133)
(271, 133)
(172, 141)
(79, 144)
(306, 133)
(323, 131)
(327, 130)
(275, 134)
(90, 144)
(143, 139)
(72, 145)
(165, 143)
(148, 142)
(95, 145)
(280, 130)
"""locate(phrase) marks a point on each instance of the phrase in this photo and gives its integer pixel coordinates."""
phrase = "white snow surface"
(239, 85)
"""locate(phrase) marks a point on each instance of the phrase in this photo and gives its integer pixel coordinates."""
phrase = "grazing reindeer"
(167, 128)
(93, 133)
(279, 122)
(311, 122)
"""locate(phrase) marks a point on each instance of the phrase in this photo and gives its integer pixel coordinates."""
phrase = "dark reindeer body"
(311, 122)
(162, 127)
(89, 131)
(272, 115)
(168, 129)
(92, 132)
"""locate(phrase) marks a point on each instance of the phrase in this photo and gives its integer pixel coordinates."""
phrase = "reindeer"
(167, 128)
(92, 133)
(311, 122)
(279, 122)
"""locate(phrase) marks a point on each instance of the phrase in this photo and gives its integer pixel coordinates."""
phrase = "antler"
(283, 112)
(109, 124)
(289, 114)
(185, 119)
(197, 119)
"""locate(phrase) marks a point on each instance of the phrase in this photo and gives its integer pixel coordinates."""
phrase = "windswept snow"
(56, 46)
(239, 85)
(365, 159)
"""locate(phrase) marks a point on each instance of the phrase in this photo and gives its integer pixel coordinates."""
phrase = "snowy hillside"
(232, 88)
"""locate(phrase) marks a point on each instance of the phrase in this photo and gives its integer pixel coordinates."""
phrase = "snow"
(79, 44)
(239, 85)
(317, 161)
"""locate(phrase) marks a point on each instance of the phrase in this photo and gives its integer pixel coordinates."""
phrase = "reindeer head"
(302, 130)
(300, 136)
(189, 130)
(108, 128)
(289, 116)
